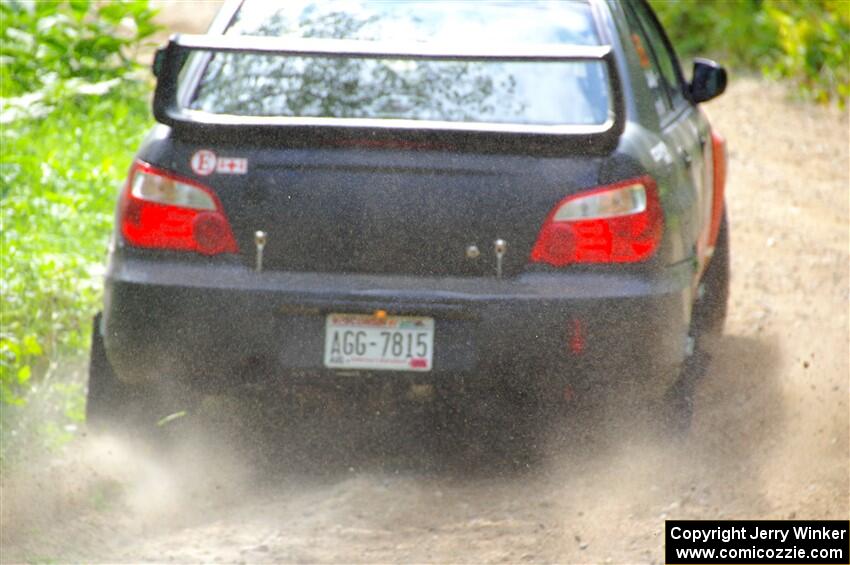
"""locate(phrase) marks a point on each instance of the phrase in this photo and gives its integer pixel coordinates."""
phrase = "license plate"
(389, 343)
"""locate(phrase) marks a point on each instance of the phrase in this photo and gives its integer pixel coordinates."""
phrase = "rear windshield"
(535, 93)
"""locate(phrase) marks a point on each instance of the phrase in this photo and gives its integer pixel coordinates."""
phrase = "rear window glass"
(544, 93)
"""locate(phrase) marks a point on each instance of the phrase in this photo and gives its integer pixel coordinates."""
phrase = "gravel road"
(770, 436)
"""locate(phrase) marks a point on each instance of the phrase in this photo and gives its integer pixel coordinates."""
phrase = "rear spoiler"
(170, 60)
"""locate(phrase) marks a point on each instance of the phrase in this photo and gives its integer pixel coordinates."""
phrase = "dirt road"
(770, 438)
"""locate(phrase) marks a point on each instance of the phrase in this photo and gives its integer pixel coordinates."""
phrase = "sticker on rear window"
(232, 165)
(205, 162)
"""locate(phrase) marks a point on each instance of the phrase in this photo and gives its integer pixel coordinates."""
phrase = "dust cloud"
(601, 495)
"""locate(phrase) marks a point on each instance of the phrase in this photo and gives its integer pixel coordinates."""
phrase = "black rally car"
(475, 200)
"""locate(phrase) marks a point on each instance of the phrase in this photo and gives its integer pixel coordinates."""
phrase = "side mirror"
(709, 80)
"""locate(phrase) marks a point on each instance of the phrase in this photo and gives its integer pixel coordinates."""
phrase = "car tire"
(707, 321)
(710, 309)
(677, 408)
(113, 406)
(106, 397)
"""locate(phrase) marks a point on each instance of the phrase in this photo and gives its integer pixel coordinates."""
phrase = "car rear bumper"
(225, 325)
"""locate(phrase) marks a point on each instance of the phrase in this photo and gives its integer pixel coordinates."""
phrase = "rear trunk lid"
(390, 211)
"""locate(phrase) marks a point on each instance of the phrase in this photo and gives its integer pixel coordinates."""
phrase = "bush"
(737, 32)
(807, 42)
(45, 42)
(814, 38)
(74, 107)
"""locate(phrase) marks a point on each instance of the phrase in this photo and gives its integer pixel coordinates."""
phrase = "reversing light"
(617, 223)
(627, 200)
(150, 186)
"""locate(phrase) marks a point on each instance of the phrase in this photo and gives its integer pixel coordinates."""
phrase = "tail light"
(161, 210)
(617, 223)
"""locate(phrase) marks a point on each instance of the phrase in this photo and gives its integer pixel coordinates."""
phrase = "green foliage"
(59, 175)
(807, 41)
(738, 32)
(73, 112)
(45, 42)
(815, 42)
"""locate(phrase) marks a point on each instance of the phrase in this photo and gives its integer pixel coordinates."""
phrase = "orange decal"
(719, 158)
